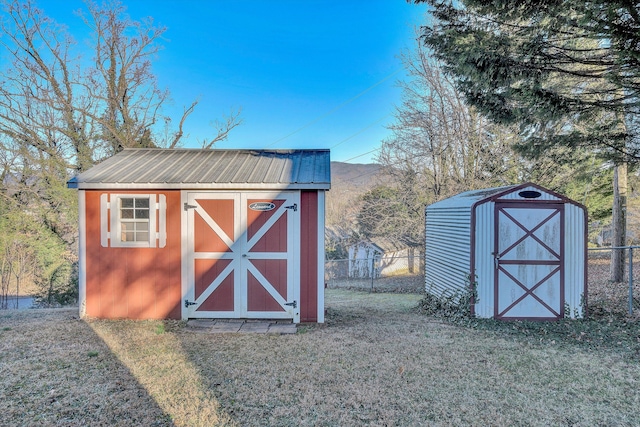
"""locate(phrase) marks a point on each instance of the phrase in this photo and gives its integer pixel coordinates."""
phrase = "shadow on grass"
(154, 352)
(315, 377)
(379, 362)
(58, 371)
(155, 373)
(340, 317)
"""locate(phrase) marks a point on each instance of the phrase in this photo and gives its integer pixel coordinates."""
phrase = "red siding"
(134, 283)
(309, 256)
(205, 272)
(206, 240)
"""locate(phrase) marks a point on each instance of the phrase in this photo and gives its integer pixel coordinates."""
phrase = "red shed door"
(529, 258)
(242, 250)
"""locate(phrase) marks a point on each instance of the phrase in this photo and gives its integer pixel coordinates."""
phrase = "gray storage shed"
(524, 245)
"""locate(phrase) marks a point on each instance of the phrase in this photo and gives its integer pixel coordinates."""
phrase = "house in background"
(382, 258)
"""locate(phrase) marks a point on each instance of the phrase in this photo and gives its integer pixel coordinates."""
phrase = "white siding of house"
(361, 259)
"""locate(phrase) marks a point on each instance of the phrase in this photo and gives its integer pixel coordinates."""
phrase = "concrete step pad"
(222, 326)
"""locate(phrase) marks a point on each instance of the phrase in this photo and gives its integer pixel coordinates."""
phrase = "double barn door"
(241, 251)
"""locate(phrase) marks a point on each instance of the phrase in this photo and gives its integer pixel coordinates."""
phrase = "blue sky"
(307, 74)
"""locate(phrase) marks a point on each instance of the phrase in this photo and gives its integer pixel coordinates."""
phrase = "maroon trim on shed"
(563, 200)
(309, 256)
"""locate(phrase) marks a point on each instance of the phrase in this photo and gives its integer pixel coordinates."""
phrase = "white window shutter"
(104, 220)
(162, 221)
(114, 225)
(153, 207)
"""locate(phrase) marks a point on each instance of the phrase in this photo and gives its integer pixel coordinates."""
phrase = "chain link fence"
(406, 274)
(388, 274)
(608, 297)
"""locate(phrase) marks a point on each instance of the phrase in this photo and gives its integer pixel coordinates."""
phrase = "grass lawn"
(376, 362)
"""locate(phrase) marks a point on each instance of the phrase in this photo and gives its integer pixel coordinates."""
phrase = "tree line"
(496, 93)
(64, 106)
(501, 93)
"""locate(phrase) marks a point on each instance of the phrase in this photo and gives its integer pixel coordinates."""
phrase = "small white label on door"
(262, 206)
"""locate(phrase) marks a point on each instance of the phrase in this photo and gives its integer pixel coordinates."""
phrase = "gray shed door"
(529, 258)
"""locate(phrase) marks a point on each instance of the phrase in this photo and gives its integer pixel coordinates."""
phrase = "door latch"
(292, 304)
(294, 207)
(188, 206)
(187, 303)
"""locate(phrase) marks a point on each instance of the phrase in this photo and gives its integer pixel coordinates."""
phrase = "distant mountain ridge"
(349, 182)
(356, 174)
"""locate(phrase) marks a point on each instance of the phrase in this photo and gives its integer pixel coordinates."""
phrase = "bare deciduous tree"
(22, 261)
(122, 79)
(439, 147)
(448, 145)
(52, 103)
(64, 107)
(5, 282)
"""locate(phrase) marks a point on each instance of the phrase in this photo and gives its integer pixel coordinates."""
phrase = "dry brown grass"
(56, 371)
(410, 284)
(376, 362)
(611, 299)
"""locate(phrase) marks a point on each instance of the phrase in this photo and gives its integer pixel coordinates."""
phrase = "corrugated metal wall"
(575, 269)
(447, 251)
(543, 195)
(484, 259)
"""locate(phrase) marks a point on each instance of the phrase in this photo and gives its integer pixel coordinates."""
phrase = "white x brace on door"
(242, 255)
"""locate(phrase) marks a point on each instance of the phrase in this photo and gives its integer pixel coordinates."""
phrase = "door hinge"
(188, 206)
(292, 304)
(187, 303)
(294, 207)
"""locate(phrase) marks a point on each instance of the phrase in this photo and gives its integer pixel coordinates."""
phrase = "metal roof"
(469, 199)
(209, 169)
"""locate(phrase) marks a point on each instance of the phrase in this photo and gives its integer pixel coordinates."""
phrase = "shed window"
(129, 220)
(134, 219)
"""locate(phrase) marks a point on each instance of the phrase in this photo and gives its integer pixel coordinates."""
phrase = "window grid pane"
(132, 210)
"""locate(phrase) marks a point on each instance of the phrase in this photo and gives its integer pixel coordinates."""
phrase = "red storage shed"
(183, 234)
